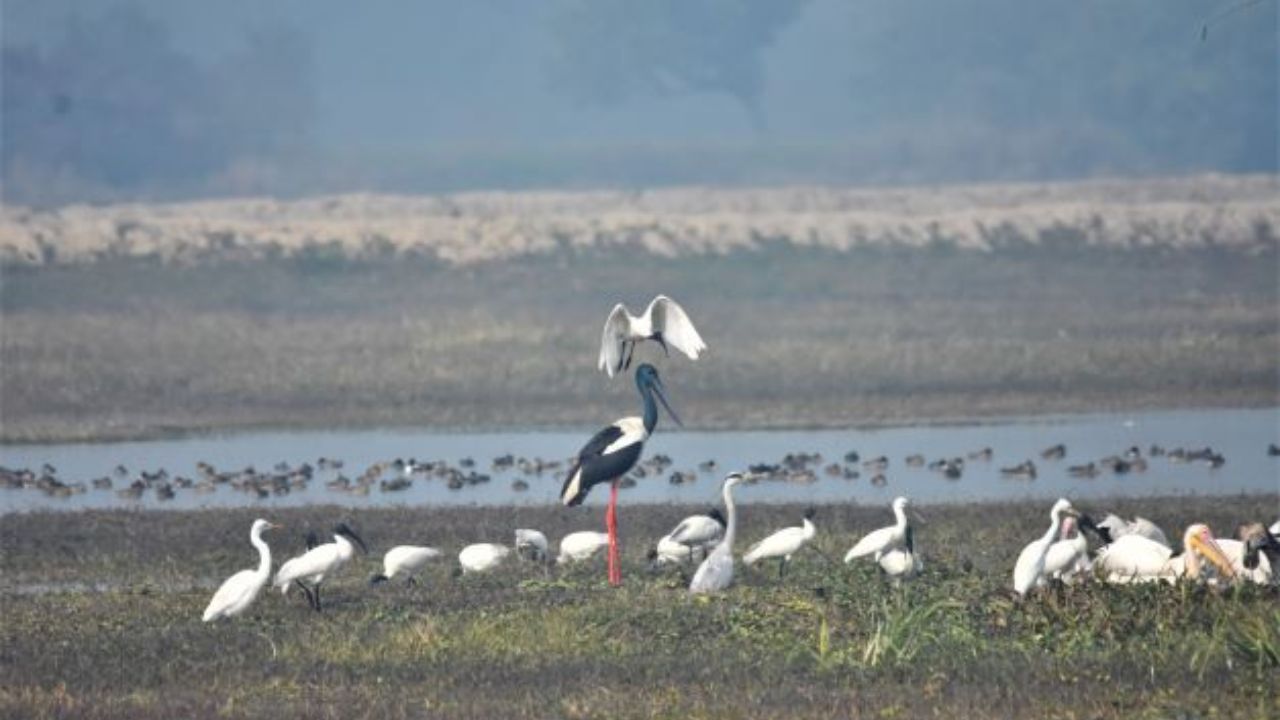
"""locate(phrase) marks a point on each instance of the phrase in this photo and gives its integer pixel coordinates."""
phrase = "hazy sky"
(917, 86)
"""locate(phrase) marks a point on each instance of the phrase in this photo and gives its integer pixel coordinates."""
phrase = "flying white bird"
(1134, 558)
(612, 453)
(240, 590)
(664, 321)
(716, 571)
(404, 560)
(783, 544)
(583, 545)
(878, 542)
(1029, 570)
(482, 557)
(317, 563)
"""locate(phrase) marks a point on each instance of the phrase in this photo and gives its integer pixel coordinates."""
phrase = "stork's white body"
(663, 316)
(583, 545)
(239, 591)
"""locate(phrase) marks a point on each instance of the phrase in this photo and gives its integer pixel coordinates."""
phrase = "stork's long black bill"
(662, 398)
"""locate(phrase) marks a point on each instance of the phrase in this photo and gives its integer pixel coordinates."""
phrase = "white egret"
(531, 544)
(783, 544)
(317, 563)
(612, 453)
(404, 560)
(1135, 558)
(240, 590)
(1029, 570)
(664, 321)
(482, 557)
(583, 545)
(878, 542)
(716, 571)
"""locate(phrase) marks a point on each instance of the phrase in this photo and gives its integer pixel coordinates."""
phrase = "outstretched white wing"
(616, 330)
(668, 318)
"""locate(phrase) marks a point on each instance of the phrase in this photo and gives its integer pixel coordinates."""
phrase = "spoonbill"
(612, 453)
(1134, 558)
(879, 542)
(404, 560)
(1069, 556)
(664, 321)
(698, 532)
(716, 571)
(239, 591)
(319, 562)
(783, 543)
(482, 557)
(1029, 570)
(583, 545)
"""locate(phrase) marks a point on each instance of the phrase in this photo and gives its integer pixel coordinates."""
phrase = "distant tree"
(608, 51)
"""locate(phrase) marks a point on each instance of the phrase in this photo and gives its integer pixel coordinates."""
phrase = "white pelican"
(783, 543)
(664, 321)
(1136, 558)
(878, 542)
(579, 546)
(1118, 527)
(317, 563)
(482, 557)
(698, 532)
(1029, 570)
(716, 571)
(1067, 557)
(240, 590)
(404, 560)
(612, 453)
(531, 544)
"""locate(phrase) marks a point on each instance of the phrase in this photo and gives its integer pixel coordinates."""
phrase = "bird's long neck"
(1053, 528)
(731, 523)
(809, 529)
(901, 516)
(345, 548)
(650, 408)
(264, 553)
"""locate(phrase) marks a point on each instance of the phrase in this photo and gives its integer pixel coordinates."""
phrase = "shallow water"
(1242, 436)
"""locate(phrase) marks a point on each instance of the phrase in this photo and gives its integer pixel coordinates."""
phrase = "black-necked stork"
(612, 453)
(664, 321)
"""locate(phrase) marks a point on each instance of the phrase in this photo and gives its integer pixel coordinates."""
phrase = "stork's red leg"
(611, 525)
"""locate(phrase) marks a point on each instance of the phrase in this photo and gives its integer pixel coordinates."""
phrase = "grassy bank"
(799, 337)
(825, 642)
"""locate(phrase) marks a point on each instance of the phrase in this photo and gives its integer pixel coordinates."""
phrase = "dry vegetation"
(803, 332)
(827, 642)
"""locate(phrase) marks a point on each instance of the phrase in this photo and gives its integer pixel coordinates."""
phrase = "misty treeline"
(112, 107)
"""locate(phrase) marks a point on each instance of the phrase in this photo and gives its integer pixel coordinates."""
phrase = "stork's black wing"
(594, 466)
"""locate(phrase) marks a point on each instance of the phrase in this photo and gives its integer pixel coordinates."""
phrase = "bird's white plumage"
(663, 315)
(697, 531)
(1275, 529)
(1028, 571)
(633, 432)
(715, 573)
(583, 545)
(315, 564)
(670, 552)
(240, 590)
(1234, 550)
(407, 559)
(1119, 527)
(482, 557)
(900, 563)
(1067, 557)
(881, 541)
(531, 543)
(783, 543)
(1134, 558)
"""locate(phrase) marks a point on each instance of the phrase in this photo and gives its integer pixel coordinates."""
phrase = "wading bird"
(1117, 527)
(1069, 556)
(612, 453)
(1029, 570)
(583, 545)
(404, 560)
(318, 562)
(531, 545)
(878, 542)
(783, 543)
(482, 557)
(697, 532)
(716, 571)
(663, 321)
(1134, 558)
(240, 590)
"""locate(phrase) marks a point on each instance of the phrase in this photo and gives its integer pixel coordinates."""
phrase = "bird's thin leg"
(782, 567)
(611, 524)
(661, 341)
(317, 597)
(306, 591)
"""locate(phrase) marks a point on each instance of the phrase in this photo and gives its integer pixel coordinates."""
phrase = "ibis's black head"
(714, 514)
(345, 530)
(810, 513)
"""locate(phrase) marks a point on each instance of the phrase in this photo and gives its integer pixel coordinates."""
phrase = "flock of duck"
(1124, 551)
